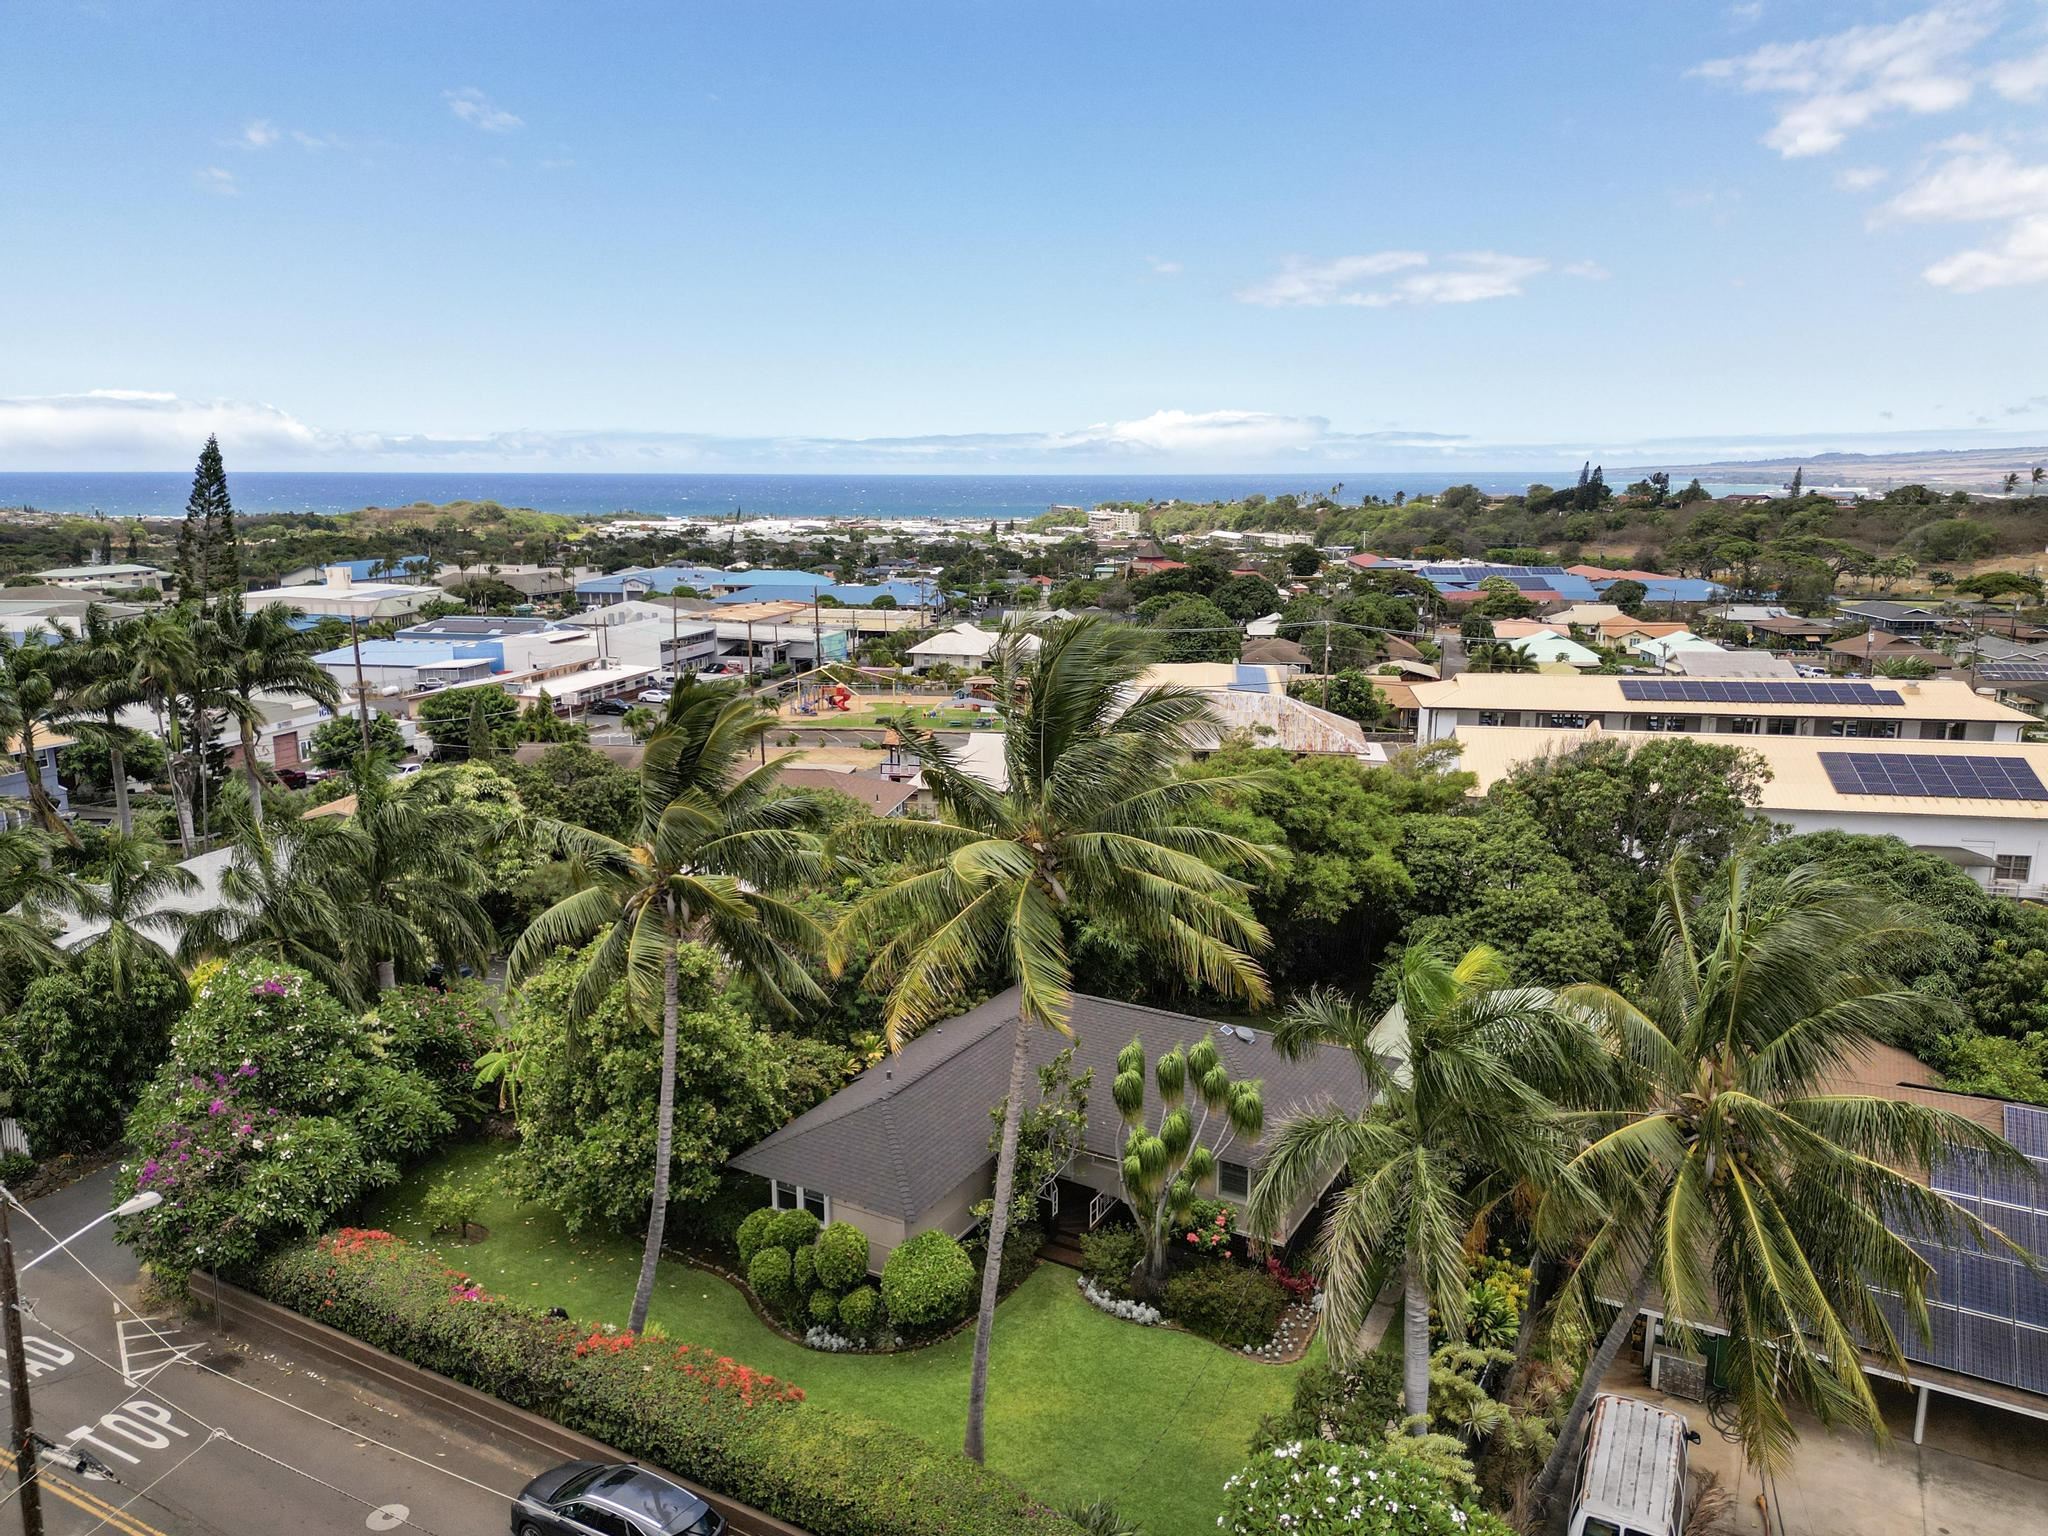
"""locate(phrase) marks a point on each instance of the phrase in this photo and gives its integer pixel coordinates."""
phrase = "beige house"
(904, 1147)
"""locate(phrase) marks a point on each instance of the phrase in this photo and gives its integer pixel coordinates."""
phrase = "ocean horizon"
(999, 498)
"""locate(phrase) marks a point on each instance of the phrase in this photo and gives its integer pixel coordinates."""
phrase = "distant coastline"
(968, 498)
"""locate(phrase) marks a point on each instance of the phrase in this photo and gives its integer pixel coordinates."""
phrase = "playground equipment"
(840, 698)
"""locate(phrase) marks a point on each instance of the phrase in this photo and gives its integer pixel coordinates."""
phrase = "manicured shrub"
(804, 1269)
(793, 1230)
(714, 1420)
(1109, 1255)
(451, 1203)
(77, 1058)
(927, 1282)
(824, 1308)
(771, 1277)
(842, 1256)
(440, 1033)
(860, 1312)
(752, 1236)
(1362, 1490)
(1230, 1303)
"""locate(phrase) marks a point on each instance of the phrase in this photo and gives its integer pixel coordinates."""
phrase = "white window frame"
(785, 1196)
(2013, 868)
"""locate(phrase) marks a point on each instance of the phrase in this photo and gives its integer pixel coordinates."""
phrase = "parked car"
(582, 1497)
(1632, 1471)
(293, 778)
(404, 769)
(653, 695)
(610, 707)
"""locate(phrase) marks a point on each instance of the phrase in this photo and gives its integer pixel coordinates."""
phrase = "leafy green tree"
(1996, 1065)
(589, 1081)
(261, 655)
(1349, 693)
(101, 656)
(714, 840)
(1095, 817)
(85, 1052)
(576, 783)
(1628, 595)
(337, 743)
(1728, 1178)
(1167, 1164)
(1452, 1111)
(1050, 1135)
(448, 718)
(209, 555)
(1195, 629)
(1304, 560)
(1245, 598)
(1498, 656)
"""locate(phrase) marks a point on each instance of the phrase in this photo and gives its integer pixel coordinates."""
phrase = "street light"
(17, 1358)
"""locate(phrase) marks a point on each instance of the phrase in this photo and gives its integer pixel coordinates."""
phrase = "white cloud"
(218, 181)
(2022, 79)
(1592, 271)
(1840, 82)
(1860, 178)
(479, 111)
(1981, 185)
(1162, 267)
(1374, 282)
(259, 133)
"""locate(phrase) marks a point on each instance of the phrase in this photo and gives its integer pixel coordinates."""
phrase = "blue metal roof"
(379, 568)
(655, 578)
(852, 595)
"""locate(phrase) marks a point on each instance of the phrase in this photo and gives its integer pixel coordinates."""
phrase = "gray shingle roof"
(912, 1127)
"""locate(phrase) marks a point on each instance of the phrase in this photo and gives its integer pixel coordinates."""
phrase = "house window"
(1561, 722)
(1233, 1181)
(1781, 725)
(785, 1196)
(1498, 717)
(1743, 725)
(1881, 730)
(1664, 722)
(1941, 730)
(2013, 868)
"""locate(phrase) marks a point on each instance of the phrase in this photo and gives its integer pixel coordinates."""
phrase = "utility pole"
(1326, 662)
(25, 1467)
(355, 640)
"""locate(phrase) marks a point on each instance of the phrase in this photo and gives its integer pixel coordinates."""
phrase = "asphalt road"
(203, 1439)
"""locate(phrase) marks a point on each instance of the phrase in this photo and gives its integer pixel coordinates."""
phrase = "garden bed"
(1080, 1407)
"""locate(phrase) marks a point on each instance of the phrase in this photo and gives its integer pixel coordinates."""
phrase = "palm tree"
(32, 701)
(259, 654)
(30, 887)
(101, 656)
(289, 892)
(1093, 818)
(1499, 656)
(714, 840)
(131, 902)
(164, 675)
(1454, 1115)
(413, 874)
(1730, 1181)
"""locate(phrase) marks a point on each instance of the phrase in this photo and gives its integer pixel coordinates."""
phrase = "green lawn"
(1081, 1406)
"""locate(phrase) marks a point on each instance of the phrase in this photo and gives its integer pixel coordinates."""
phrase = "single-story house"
(1273, 653)
(1695, 662)
(964, 645)
(1860, 652)
(904, 1147)
(1790, 631)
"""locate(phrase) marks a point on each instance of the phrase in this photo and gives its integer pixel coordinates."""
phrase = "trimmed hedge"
(771, 1277)
(841, 1256)
(704, 1416)
(861, 1313)
(1233, 1304)
(928, 1282)
(753, 1234)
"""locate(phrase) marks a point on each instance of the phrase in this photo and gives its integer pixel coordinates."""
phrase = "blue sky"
(880, 234)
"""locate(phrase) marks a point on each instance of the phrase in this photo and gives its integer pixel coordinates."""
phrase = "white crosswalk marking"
(148, 1344)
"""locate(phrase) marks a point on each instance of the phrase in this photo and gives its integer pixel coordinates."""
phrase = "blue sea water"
(999, 497)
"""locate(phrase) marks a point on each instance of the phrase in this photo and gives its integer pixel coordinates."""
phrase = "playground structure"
(813, 698)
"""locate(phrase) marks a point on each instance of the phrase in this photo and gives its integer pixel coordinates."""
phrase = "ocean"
(976, 497)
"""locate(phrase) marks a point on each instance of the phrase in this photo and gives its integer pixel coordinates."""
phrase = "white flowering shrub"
(824, 1338)
(1316, 1488)
(1129, 1311)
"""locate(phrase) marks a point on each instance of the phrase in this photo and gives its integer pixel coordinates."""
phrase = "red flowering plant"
(1210, 1227)
(1299, 1284)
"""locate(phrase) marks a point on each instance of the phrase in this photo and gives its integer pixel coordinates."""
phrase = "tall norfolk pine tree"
(208, 562)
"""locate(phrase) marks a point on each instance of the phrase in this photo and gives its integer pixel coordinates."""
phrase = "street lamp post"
(24, 1439)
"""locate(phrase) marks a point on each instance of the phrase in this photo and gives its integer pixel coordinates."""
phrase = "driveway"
(189, 1436)
(1980, 1472)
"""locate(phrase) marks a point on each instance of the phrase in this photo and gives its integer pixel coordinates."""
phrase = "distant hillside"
(1977, 469)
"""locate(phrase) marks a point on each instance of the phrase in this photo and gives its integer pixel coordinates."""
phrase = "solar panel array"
(2014, 672)
(1988, 1314)
(1702, 691)
(1936, 776)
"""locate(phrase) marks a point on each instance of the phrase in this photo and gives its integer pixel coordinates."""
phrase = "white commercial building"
(341, 596)
(1879, 709)
(1983, 806)
(1112, 523)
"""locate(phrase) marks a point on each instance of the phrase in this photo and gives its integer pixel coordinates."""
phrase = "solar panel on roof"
(1937, 776)
(2014, 672)
(1753, 691)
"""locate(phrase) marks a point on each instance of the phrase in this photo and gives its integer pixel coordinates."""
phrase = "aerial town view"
(897, 768)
